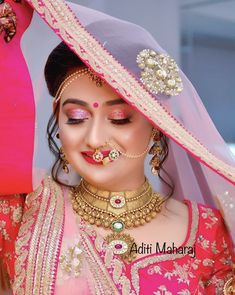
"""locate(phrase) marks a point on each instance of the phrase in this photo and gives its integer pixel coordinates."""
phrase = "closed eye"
(72, 121)
(120, 121)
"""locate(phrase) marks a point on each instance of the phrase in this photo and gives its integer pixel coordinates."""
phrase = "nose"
(96, 135)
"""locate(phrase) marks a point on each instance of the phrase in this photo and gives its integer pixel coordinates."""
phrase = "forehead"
(87, 90)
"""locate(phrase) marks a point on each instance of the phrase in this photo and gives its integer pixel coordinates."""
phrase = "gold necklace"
(117, 211)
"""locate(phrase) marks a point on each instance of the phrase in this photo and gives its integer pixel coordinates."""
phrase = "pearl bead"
(150, 62)
(171, 83)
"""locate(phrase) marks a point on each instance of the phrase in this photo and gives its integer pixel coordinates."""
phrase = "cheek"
(69, 135)
(137, 136)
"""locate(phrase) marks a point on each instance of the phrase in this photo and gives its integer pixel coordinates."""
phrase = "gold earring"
(64, 161)
(156, 150)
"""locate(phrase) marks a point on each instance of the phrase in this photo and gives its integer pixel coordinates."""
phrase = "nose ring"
(97, 156)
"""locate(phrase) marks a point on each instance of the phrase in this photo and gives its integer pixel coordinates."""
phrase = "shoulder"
(212, 230)
(202, 217)
(48, 188)
(209, 218)
(204, 212)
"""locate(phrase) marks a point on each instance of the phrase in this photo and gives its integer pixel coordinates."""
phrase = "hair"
(60, 63)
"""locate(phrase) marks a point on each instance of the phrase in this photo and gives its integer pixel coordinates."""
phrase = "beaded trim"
(39, 241)
(228, 287)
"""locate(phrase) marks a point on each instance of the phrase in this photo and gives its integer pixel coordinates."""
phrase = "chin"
(98, 178)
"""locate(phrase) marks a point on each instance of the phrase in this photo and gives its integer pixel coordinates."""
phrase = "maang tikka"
(157, 151)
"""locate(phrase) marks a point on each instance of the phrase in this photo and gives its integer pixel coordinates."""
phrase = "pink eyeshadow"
(78, 114)
(118, 115)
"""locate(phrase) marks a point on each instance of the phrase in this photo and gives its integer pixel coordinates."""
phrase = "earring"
(57, 135)
(156, 150)
(64, 161)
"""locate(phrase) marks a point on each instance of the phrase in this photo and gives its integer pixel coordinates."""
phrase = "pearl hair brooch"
(160, 73)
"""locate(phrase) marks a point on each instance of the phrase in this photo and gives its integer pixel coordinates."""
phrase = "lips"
(90, 160)
(90, 154)
(87, 155)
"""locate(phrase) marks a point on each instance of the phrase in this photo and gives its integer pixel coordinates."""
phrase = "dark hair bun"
(61, 61)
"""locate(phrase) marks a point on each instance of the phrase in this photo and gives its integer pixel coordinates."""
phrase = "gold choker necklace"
(117, 211)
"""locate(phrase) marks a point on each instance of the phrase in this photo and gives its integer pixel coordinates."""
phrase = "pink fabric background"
(17, 111)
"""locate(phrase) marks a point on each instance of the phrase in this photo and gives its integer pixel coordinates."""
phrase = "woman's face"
(91, 116)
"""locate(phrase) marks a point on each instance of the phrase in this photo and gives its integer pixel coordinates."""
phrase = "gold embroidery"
(102, 280)
(156, 269)
(153, 259)
(214, 248)
(62, 19)
(209, 214)
(229, 287)
(16, 214)
(4, 207)
(185, 292)
(39, 241)
(70, 260)
(204, 243)
(3, 230)
(208, 262)
(218, 283)
(13, 212)
(182, 272)
(162, 290)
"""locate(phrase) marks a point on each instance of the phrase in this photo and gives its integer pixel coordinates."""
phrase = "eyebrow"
(85, 104)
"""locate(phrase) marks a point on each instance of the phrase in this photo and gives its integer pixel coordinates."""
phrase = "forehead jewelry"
(95, 104)
(74, 76)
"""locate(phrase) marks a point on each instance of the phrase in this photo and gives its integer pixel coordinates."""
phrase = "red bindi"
(95, 104)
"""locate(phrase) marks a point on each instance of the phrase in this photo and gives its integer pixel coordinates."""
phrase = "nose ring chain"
(114, 154)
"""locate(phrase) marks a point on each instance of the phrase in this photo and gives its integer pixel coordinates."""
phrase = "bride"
(112, 232)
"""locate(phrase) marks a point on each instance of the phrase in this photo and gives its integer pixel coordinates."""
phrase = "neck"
(127, 184)
(128, 193)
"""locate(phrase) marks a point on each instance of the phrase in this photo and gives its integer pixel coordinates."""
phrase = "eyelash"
(72, 121)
